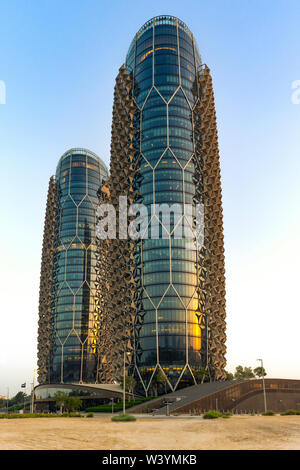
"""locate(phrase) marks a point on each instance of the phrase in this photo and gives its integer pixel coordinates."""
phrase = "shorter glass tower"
(68, 325)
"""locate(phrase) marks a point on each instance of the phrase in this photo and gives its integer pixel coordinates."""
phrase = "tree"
(2, 403)
(229, 375)
(155, 382)
(18, 398)
(73, 403)
(239, 373)
(200, 374)
(243, 373)
(130, 383)
(60, 399)
(154, 386)
(248, 373)
(260, 371)
(161, 379)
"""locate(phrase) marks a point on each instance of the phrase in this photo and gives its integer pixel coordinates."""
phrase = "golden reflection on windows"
(60, 248)
(179, 329)
(195, 343)
(74, 164)
(193, 304)
(81, 246)
(149, 369)
(144, 56)
(90, 166)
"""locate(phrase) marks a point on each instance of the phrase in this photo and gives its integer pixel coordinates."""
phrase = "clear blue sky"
(59, 60)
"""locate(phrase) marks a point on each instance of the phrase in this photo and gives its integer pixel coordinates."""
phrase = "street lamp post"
(167, 408)
(124, 377)
(112, 406)
(124, 385)
(32, 399)
(264, 389)
(32, 395)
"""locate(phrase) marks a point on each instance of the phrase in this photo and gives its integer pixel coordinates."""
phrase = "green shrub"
(212, 414)
(107, 408)
(90, 415)
(227, 414)
(21, 416)
(290, 412)
(269, 413)
(16, 408)
(71, 414)
(103, 408)
(39, 415)
(123, 417)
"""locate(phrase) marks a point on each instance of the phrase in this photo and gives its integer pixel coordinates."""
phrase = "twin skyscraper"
(155, 304)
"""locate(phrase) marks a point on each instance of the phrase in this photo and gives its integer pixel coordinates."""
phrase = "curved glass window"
(80, 174)
(164, 57)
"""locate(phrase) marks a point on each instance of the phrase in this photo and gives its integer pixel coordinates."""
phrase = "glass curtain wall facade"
(164, 59)
(72, 324)
(164, 104)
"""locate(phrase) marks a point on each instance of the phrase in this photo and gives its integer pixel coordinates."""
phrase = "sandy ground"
(237, 432)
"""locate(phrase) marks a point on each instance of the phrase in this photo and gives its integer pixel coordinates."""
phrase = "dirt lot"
(237, 432)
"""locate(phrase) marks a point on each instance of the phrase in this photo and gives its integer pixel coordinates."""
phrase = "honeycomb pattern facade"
(45, 297)
(74, 325)
(170, 312)
(213, 262)
(117, 275)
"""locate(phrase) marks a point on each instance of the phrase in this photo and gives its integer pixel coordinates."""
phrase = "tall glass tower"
(68, 325)
(171, 316)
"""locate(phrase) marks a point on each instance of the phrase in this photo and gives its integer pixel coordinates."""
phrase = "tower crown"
(157, 21)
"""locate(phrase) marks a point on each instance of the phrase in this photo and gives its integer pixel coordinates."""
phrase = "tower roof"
(82, 151)
(159, 20)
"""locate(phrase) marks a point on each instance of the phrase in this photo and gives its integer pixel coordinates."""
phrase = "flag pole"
(32, 396)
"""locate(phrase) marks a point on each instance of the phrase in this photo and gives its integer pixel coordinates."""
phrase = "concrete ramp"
(181, 397)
